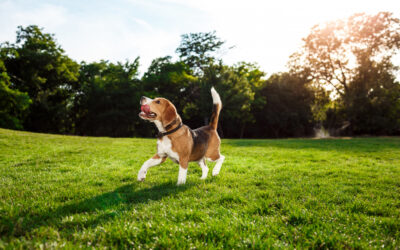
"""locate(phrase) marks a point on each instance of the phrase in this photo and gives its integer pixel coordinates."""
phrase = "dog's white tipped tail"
(215, 96)
(217, 105)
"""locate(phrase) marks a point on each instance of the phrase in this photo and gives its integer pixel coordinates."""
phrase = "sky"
(262, 32)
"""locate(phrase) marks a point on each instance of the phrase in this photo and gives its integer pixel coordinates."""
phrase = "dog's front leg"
(183, 166)
(154, 161)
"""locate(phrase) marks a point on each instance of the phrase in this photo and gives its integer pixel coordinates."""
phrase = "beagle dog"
(180, 143)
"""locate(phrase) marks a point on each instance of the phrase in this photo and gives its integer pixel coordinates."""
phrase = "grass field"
(64, 191)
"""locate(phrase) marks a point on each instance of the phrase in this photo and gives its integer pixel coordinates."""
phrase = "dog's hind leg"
(218, 165)
(154, 161)
(219, 160)
(204, 168)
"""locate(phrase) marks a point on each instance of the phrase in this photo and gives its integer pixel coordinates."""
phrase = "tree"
(332, 51)
(38, 66)
(13, 103)
(286, 110)
(197, 50)
(354, 57)
(372, 104)
(172, 80)
(107, 104)
(236, 96)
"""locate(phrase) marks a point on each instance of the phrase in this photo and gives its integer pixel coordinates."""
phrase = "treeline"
(342, 79)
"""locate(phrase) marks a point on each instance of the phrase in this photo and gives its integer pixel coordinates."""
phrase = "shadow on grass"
(124, 194)
(335, 144)
(117, 201)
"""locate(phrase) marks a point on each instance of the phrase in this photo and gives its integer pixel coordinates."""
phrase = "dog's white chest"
(164, 147)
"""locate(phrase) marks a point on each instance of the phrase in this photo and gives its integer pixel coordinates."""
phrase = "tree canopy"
(343, 79)
(353, 57)
(13, 103)
(37, 65)
(197, 50)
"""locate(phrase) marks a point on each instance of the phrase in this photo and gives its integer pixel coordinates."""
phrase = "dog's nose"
(142, 99)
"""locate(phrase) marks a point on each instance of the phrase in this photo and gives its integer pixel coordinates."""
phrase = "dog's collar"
(162, 134)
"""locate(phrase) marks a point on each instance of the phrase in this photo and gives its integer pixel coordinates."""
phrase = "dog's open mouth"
(150, 115)
(146, 113)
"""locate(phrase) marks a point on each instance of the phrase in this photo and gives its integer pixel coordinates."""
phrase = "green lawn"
(65, 191)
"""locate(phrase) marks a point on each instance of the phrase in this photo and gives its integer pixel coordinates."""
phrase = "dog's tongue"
(145, 108)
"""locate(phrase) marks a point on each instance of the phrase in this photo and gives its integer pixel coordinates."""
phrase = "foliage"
(332, 51)
(108, 100)
(286, 109)
(13, 103)
(81, 192)
(373, 102)
(171, 80)
(342, 79)
(354, 58)
(38, 66)
(197, 50)
(236, 96)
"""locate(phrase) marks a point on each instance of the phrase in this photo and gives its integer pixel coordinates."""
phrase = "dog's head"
(159, 109)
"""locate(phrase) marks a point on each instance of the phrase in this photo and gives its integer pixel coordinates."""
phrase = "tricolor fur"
(184, 145)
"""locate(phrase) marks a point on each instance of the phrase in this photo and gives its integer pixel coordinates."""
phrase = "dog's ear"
(169, 114)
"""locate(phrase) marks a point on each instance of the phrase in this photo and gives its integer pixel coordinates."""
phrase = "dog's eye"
(158, 101)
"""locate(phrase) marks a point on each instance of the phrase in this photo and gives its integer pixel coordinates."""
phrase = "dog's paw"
(215, 171)
(180, 182)
(204, 173)
(141, 176)
(204, 176)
